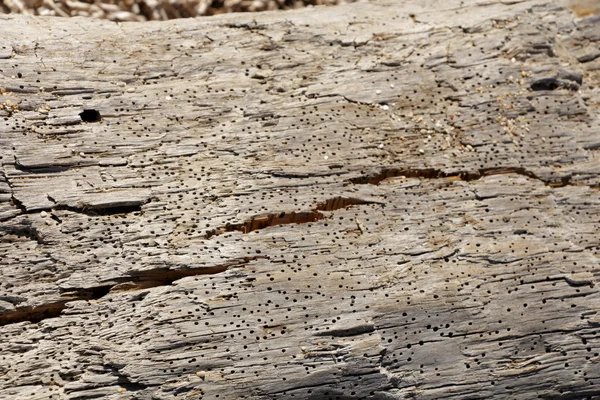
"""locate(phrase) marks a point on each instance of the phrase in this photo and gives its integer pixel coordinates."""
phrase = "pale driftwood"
(384, 200)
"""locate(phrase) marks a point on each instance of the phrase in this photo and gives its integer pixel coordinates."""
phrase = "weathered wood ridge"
(390, 200)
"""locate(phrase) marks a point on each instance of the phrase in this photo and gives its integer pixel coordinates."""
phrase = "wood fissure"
(467, 176)
(263, 221)
(97, 211)
(140, 280)
(33, 314)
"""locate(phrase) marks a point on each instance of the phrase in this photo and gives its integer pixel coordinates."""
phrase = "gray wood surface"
(388, 200)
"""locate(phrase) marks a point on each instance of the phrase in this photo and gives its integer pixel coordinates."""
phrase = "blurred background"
(144, 10)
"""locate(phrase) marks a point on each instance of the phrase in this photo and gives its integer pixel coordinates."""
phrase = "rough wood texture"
(374, 201)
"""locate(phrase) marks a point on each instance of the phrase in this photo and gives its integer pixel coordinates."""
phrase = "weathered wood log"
(386, 200)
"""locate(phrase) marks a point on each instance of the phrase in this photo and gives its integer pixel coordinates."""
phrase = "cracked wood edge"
(382, 200)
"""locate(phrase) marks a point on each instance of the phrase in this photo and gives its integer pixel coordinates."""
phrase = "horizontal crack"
(101, 211)
(42, 169)
(114, 208)
(136, 281)
(348, 331)
(33, 314)
(284, 218)
(433, 173)
(320, 96)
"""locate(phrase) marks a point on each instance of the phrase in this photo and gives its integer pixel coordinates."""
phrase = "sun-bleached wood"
(382, 200)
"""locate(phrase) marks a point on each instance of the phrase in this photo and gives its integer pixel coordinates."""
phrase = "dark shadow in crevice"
(124, 381)
(467, 176)
(25, 229)
(124, 207)
(42, 169)
(285, 218)
(118, 207)
(33, 314)
(18, 203)
(101, 211)
(137, 280)
(347, 332)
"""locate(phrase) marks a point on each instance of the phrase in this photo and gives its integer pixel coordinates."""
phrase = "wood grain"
(382, 200)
